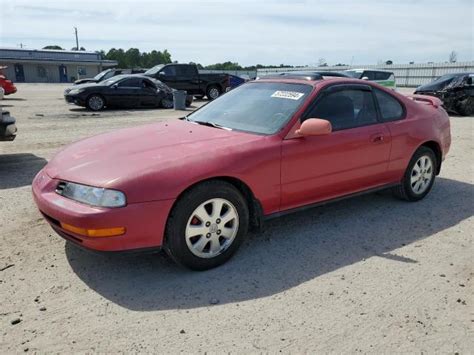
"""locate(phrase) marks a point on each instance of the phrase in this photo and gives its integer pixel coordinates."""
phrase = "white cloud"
(250, 32)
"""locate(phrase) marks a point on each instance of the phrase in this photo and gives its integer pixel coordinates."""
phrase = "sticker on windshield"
(290, 95)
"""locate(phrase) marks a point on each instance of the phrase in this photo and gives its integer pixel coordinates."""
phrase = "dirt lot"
(371, 274)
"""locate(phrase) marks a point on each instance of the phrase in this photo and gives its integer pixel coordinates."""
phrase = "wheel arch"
(254, 205)
(97, 94)
(436, 148)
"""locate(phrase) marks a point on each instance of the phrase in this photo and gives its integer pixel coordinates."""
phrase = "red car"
(6, 84)
(194, 186)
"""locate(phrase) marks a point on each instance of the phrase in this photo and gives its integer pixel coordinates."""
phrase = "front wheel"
(419, 176)
(95, 103)
(207, 225)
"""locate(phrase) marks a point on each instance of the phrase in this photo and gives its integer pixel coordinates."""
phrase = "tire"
(213, 92)
(419, 176)
(167, 103)
(214, 240)
(95, 102)
(466, 107)
(189, 100)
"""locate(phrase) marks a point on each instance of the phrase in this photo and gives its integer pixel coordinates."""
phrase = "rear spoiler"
(427, 100)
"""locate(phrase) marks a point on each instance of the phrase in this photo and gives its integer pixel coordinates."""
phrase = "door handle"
(377, 138)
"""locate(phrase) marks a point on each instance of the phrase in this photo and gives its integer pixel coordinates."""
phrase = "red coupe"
(194, 186)
(5, 83)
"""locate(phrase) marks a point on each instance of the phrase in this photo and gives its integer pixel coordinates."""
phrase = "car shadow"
(17, 170)
(292, 250)
(6, 98)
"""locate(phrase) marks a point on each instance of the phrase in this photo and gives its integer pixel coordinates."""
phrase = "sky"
(297, 32)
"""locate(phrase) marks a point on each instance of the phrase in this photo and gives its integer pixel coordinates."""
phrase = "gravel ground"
(371, 274)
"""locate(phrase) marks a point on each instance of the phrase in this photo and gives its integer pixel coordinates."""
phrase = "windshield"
(154, 70)
(257, 107)
(101, 75)
(354, 74)
(444, 78)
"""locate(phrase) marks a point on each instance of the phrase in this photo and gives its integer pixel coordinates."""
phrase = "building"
(51, 66)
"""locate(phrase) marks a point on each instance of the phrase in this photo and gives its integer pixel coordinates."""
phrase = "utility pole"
(77, 39)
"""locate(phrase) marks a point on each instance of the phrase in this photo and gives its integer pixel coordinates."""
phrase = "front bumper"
(7, 127)
(144, 222)
(74, 99)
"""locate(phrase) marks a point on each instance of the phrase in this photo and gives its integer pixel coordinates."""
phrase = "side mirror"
(115, 86)
(315, 127)
(365, 78)
(161, 73)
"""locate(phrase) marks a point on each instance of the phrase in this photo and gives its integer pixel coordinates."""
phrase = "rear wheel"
(95, 102)
(466, 107)
(167, 103)
(213, 92)
(419, 176)
(207, 225)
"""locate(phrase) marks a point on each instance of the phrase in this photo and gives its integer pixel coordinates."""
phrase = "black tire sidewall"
(175, 241)
(412, 196)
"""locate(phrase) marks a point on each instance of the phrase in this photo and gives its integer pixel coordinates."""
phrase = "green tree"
(54, 47)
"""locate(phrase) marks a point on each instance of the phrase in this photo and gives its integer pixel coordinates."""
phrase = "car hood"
(110, 160)
(85, 81)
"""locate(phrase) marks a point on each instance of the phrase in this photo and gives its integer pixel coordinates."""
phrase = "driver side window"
(347, 108)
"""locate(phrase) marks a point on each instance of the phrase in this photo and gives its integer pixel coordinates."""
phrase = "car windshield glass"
(99, 76)
(261, 108)
(444, 79)
(154, 70)
(353, 73)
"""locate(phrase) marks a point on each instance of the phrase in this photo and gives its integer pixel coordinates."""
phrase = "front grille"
(60, 188)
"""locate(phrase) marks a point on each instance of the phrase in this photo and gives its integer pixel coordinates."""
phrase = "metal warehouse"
(51, 66)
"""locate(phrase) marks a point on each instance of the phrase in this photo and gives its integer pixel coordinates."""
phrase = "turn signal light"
(94, 233)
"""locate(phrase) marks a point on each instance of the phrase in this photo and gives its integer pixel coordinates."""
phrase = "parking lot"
(369, 274)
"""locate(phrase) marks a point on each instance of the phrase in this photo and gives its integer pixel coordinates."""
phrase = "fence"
(407, 75)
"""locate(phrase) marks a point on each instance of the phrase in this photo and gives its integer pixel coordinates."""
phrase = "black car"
(7, 126)
(124, 91)
(187, 77)
(455, 90)
(107, 74)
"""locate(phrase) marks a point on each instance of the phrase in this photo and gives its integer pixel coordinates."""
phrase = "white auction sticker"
(291, 95)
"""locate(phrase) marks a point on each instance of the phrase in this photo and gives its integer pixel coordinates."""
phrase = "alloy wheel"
(212, 227)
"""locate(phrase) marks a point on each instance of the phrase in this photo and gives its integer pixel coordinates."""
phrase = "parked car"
(269, 147)
(455, 90)
(122, 91)
(187, 77)
(382, 77)
(6, 84)
(107, 74)
(7, 126)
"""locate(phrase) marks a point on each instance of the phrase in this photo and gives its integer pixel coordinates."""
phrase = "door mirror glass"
(365, 78)
(315, 127)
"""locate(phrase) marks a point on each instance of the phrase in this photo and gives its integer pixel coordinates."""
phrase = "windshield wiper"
(209, 124)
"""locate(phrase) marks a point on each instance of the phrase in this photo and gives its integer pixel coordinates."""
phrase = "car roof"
(302, 80)
(368, 69)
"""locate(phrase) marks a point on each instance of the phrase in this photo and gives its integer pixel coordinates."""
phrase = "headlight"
(75, 91)
(94, 196)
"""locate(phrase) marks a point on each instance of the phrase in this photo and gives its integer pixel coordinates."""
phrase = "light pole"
(77, 39)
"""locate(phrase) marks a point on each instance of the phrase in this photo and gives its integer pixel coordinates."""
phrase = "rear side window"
(346, 109)
(382, 75)
(185, 70)
(130, 83)
(390, 108)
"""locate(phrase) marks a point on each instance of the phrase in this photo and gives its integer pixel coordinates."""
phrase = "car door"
(187, 79)
(126, 93)
(149, 96)
(168, 76)
(354, 157)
